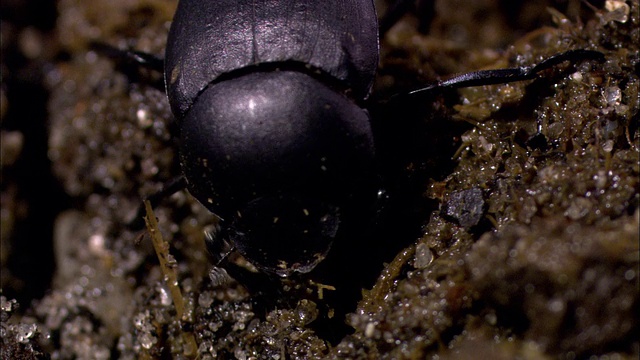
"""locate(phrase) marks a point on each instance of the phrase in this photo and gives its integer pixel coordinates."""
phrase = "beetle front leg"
(142, 59)
(503, 76)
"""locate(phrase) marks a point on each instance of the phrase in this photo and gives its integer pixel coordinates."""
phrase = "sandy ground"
(509, 229)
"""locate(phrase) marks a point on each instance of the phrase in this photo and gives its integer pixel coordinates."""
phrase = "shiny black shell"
(271, 137)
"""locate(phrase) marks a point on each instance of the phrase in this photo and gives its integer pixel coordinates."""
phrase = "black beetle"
(273, 137)
(270, 140)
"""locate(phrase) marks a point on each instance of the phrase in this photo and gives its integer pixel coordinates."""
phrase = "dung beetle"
(274, 139)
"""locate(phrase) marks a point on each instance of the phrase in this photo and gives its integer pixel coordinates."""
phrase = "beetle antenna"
(501, 76)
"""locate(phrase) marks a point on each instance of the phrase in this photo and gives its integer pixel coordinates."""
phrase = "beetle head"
(285, 233)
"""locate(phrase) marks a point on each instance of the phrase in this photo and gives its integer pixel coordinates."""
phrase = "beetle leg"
(145, 60)
(224, 271)
(502, 76)
(171, 187)
(131, 62)
(217, 246)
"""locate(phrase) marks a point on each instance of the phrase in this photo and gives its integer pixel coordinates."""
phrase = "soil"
(508, 228)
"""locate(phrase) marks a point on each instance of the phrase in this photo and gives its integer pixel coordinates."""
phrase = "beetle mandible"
(274, 139)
